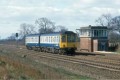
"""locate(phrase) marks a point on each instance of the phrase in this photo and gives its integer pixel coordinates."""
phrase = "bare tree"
(100, 21)
(45, 25)
(12, 37)
(116, 23)
(26, 29)
(61, 28)
(113, 37)
(104, 20)
(113, 23)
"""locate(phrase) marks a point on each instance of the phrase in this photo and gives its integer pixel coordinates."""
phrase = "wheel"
(29, 48)
(61, 51)
(42, 49)
(39, 50)
(53, 50)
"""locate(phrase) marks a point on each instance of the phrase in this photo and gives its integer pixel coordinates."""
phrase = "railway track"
(100, 55)
(103, 60)
(80, 61)
(89, 61)
(90, 66)
(111, 66)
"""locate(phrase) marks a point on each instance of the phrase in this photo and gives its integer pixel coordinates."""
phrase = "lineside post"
(16, 40)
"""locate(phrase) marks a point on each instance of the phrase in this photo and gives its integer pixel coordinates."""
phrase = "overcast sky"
(71, 13)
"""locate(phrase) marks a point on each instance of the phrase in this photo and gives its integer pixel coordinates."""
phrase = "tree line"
(113, 24)
(44, 25)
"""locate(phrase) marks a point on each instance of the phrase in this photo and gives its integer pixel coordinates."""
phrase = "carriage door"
(63, 41)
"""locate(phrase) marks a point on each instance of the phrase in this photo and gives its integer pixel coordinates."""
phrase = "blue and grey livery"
(58, 42)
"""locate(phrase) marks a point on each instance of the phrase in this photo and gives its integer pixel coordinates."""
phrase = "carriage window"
(63, 38)
(51, 38)
(46, 39)
(57, 39)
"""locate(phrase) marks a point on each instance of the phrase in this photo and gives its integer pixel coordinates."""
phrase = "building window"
(100, 33)
(103, 33)
(92, 33)
(81, 32)
(95, 33)
(89, 32)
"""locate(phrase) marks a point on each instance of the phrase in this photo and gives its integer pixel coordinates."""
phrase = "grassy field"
(10, 69)
(17, 67)
(15, 70)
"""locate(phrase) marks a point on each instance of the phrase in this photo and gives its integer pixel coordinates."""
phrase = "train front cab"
(68, 42)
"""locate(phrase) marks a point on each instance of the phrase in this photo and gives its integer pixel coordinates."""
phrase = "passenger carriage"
(58, 42)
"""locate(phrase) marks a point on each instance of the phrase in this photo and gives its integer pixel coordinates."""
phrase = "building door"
(102, 46)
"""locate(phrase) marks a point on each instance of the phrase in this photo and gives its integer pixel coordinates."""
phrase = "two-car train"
(58, 42)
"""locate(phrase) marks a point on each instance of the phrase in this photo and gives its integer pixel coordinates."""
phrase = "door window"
(63, 38)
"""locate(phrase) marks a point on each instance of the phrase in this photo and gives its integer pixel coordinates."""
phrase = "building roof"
(94, 27)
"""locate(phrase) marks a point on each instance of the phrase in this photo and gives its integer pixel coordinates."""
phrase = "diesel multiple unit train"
(58, 42)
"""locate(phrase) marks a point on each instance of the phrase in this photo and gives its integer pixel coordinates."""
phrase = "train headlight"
(63, 45)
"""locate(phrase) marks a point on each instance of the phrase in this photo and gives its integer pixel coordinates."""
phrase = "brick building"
(93, 38)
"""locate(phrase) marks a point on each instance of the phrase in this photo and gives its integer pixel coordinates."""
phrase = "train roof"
(54, 33)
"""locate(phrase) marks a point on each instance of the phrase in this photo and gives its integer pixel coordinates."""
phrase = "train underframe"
(61, 51)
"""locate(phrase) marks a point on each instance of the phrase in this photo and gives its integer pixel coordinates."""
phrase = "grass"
(15, 70)
(72, 75)
(13, 67)
(63, 74)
